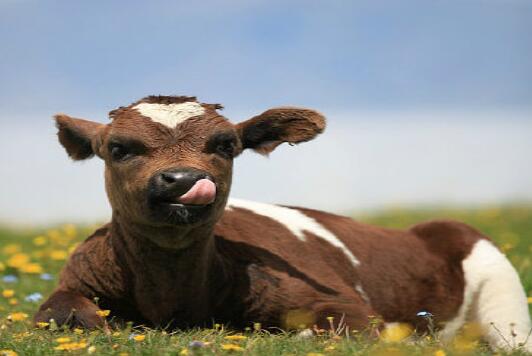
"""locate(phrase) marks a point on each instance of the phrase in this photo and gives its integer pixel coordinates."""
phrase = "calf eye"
(119, 152)
(223, 144)
(226, 148)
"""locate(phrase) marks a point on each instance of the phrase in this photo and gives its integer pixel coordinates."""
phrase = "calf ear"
(263, 133)
(79, 137)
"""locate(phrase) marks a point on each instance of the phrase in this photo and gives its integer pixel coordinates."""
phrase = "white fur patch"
(362, 293)
(493, 294)
(296, 222)
(170, 115)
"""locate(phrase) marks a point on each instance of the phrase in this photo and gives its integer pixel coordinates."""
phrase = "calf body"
(178, 253)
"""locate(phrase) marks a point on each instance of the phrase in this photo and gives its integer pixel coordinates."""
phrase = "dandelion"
(103, 313)
(137, 337)
(10, 278)
(39, 240)
(11, 249)
(17, 316)
(18, 260)
(70, 346)
(231, 347)
(62, 340)
(396, 332)
(529, 300)
(439, 353)
(42, 324)
(33, 297)
(236, 337)
(58, 255)
(8, 293)
(184, 352)
(46, 277)
(13, 301)
(31, 268)
(8, 353)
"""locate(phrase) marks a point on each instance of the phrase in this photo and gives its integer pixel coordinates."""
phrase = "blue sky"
(341, 55)
(434, 94)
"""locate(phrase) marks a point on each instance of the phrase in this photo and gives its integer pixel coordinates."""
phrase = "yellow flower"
(11, 249)
(103, 313)
(78, 331)
(8, 353)
(396, 332)
(314, 354)
(231, 347)
(17, 316)
(139, 338)
(2, 267)
(439, 353)
(73, 248)
(91, 349)
(71, 346)
(70, 230)
(18, 260)
(184, 352)
(529, 300)
(42, 324)
(39, 240)
(8, 293)
(13, 301)
(33, 268)
(58, 255)
(235, 337)
(62, 340)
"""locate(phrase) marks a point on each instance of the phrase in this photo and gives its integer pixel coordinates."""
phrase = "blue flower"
(33, 297)
(46, 277)
(424, 314)
(10, 278)
(196, 344)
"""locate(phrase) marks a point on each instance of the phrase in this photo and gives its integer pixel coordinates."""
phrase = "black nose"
(176, 182)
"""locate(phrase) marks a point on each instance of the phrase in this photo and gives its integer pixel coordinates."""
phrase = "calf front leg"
(71, 309)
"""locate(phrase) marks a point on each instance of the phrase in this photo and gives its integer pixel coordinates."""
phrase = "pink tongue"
(202, 193)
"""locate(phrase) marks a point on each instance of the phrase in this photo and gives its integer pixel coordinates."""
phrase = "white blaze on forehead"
(170, 115)
(295, 221)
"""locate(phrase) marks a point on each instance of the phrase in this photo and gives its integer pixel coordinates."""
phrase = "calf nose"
(178, 182)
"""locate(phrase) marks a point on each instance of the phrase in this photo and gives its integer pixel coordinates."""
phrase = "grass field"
(30, 261)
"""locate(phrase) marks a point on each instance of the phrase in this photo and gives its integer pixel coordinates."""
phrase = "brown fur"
(236, 267)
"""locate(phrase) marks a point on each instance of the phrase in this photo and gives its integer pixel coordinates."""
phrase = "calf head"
(168, 159)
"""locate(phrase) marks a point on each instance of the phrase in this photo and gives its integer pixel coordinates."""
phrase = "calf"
(178, 253)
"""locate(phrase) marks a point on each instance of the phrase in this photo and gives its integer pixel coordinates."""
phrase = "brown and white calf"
(178, 253)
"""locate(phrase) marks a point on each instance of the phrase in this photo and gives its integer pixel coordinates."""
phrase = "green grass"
(26, 254)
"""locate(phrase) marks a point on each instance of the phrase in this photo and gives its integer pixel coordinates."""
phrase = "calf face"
(168, 160)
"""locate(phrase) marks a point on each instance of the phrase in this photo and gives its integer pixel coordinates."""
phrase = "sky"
(428, 102)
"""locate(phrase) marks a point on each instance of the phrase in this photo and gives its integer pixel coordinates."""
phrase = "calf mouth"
(187, 205)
